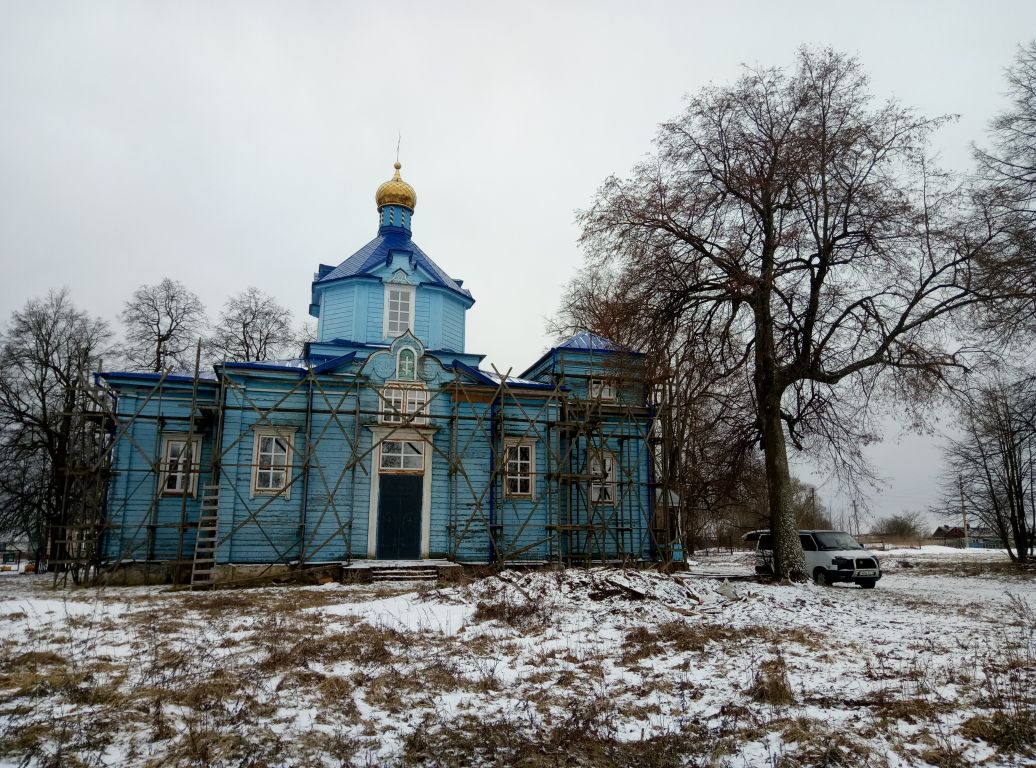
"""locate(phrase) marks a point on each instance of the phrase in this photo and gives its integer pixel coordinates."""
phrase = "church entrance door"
(399, 517)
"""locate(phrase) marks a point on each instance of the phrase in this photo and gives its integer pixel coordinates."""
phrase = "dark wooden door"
(399, 517)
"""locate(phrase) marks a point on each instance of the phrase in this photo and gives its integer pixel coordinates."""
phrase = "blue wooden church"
(386, 441)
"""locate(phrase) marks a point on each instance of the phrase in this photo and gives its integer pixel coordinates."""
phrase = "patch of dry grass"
(517, 612)
(644, 642)
(770, 684)
(1013, 732)
(583, 733)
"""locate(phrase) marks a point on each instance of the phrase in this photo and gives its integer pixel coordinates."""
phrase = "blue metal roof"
(590, 342)
(375, 253)
(584, 341)
(495, 379)
(291, 364)
(204, 376)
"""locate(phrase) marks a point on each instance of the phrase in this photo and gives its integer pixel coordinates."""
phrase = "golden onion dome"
(395, 191)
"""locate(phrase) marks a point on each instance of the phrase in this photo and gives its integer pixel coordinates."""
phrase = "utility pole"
(964, 512)
(855, 519)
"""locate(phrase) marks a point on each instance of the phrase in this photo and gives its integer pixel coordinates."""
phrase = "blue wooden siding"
(452, 324)
(354, 309)
(420, 322)
(254, 527)
(470, 494)
(335, 516)
(337, 310)
(143, 523)
(328, 511)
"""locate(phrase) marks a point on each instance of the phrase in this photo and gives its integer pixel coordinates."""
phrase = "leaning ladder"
(204, 565)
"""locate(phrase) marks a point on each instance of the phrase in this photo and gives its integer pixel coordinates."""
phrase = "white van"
(830, 556)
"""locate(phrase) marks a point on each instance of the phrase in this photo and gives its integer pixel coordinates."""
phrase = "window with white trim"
(602, 389)
(519, 469)
(271, 463)
(406, 365)
(393, 405)
(402, 404)
(416, 400)
(399, 309)
(402, 456)
(177, 452)
(602, 485)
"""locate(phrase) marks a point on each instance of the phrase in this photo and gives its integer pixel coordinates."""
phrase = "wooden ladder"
(204, 565)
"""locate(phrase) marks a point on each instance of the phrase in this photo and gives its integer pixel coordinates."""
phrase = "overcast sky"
(236, 144)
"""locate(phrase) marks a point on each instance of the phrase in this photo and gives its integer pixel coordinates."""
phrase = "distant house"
(14, 555)
(949, 532)
(977, 536)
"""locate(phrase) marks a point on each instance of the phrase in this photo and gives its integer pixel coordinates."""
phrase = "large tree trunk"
(789, 561)
(788, 558)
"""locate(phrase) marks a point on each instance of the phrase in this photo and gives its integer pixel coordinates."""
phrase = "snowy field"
(936, 666)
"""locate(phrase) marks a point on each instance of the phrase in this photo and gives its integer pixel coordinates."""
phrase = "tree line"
(50, 477)
(797, 265)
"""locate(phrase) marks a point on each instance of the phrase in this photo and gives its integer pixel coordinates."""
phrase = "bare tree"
(991, 464)
(44, 366)
(305, 333)
(1006, 173)
(801, 229)
(252, 326)
(1009, 165)
(163, 323)
(810, 511)
(905, 525)
(25, 482)
(701, 409)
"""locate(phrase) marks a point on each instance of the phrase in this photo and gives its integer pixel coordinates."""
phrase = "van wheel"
(867, 583)
(820, 577)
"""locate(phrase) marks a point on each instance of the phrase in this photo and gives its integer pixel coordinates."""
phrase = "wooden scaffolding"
(578, 528)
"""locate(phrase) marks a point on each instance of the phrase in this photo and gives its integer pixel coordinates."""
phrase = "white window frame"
(401, 404)
(600, 487)
(601, 389)
(394, 328)
(288, 436)
(393, 405)
(410, 455)
(399, 364)
(519, 476)
(180, 472)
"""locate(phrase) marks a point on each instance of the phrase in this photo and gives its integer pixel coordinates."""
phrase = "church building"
(386, 441)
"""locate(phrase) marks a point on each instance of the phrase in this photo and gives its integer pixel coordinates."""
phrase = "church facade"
(385, 441)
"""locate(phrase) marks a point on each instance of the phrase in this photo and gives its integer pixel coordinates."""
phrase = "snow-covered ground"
(937, 666)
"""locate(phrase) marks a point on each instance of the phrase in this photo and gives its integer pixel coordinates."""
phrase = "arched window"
(407, 365)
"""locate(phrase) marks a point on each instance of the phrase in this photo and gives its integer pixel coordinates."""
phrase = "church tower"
(390, 286)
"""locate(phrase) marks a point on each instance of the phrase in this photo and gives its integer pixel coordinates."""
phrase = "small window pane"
(602, 486)
(399, 454)
(398, 315)
(406, 365)
(518, 468)
(393, 406)
(271, 462)
(602, 389)
(416, 401)
(178, 477)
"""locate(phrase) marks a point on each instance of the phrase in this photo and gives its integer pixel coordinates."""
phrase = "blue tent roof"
(590, 342)
(375, 253)
(584, 341)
